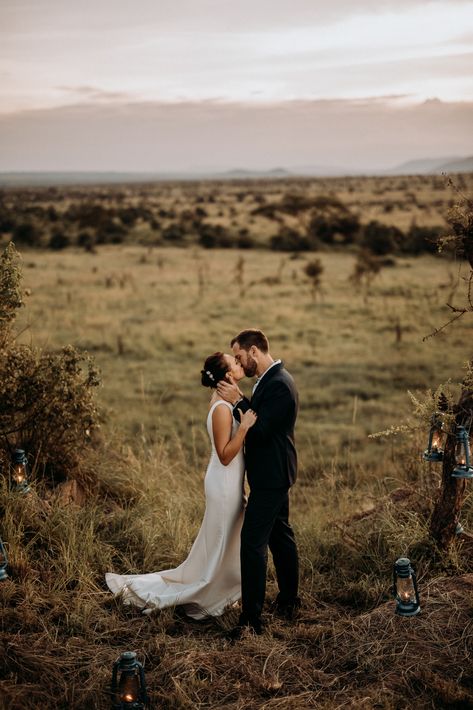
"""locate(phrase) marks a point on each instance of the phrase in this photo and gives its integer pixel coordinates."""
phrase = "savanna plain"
(344, 277)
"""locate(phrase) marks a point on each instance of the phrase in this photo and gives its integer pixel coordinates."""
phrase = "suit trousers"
(266, 524)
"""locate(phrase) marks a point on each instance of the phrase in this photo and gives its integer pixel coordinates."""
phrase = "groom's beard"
(250, 368)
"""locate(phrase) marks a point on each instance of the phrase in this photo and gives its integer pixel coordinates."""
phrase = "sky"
(165, 85)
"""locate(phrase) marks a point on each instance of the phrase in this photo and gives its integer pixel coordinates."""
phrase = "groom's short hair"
(247, 338)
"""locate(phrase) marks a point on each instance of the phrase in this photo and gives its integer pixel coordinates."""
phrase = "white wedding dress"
(209, 579)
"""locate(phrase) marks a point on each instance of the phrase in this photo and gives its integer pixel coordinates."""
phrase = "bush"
(173, 233)
(86, 240)
(7, 223)
(59, 241)
(11, 298)
(26, 234)
(332, 222)
(421, 239)
(214, 235)
(245, 240)
(47, 405)
(288, 239)
(380, 238)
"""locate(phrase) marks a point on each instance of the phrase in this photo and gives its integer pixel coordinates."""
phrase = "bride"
(209, 579)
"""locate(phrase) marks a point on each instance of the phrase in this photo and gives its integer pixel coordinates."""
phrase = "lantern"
(19, 471)
(3, 561)
(405, 588)
(128, 683)
(434, 451)
(462, 455)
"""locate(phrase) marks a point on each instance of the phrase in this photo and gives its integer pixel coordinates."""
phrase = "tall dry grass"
(62, 630)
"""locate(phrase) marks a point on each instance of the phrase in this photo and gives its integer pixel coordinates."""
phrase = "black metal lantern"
(462, 455)
(128, 683)
(3, 561)
(405, 588)
(19, 472)
(434, 451)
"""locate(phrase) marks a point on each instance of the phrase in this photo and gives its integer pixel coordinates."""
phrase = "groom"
(271, 465)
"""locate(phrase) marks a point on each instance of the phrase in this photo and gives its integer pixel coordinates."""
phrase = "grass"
(150, 317)
(151, 335)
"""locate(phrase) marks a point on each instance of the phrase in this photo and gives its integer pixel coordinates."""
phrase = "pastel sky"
(186, 84)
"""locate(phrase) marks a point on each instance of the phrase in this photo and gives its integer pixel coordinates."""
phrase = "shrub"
(86, 240)
(314, 269)
(288, 239)
(366, 268)
(214, 235)
(26, 234)
(7, 223)
(245, 240)
(59, 241)
(332, 222)
(11, 298)
(380, 238)
(110, 233)
(47, 405)
(421, 239)
(173, 233)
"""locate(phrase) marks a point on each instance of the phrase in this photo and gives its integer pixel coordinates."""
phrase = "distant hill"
(434, 166)
(50, 178)
(464, 165)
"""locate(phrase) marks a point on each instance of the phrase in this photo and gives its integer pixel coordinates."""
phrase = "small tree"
(314, 270)
(367, 266)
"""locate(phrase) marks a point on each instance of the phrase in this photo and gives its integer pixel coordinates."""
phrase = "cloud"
(152, 136)
(94, 93)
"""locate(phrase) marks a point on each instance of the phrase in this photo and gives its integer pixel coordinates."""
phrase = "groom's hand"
(229, 392)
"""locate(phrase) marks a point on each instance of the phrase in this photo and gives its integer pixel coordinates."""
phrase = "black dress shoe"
(287, 610)
(255, 627)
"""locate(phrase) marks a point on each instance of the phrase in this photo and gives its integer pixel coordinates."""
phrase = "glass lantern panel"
(460, 454)
(129, 688)
(19, 473)
(405, 590)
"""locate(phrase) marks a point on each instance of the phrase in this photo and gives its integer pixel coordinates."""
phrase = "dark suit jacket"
(270, 451)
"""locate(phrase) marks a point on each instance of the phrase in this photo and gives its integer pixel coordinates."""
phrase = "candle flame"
(19, 474)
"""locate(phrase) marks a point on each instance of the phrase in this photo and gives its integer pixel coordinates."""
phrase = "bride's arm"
(226, 446)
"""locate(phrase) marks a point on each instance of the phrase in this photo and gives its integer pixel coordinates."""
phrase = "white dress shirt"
(258, 380)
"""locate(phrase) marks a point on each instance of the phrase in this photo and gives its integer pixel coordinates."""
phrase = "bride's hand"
(247, 419)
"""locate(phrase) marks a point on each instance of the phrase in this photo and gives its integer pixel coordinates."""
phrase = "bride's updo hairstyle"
(215, 369)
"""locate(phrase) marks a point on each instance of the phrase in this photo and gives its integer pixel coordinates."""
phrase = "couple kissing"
(228, 559)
